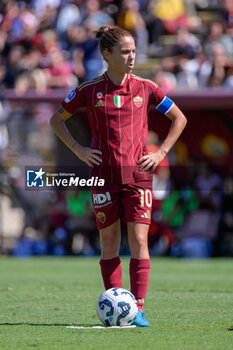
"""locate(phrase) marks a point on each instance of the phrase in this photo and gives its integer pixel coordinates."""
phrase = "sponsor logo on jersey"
(70, 96)
(101, 198)
(118, 101)
(99, 95)
(138, 101)
(101, 217)
(99, 104)
(146, 215)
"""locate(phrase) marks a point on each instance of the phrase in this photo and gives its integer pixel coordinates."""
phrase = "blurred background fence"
(47, 48)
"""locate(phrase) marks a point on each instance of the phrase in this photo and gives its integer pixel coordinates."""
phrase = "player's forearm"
(178, 124)
(63, 133)
(88, 155)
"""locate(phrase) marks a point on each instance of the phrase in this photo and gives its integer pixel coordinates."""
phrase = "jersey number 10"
(146, 197)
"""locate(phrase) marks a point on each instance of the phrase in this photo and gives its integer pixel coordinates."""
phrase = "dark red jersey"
(118, 121)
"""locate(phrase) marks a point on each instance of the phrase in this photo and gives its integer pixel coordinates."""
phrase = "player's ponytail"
(110, 36)
(101, 31)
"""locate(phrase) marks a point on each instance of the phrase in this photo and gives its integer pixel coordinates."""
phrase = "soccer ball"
(117, 307)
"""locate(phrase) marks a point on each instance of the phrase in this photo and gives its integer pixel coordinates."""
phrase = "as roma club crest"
(138, 101)
(101, 216)
(118, 101)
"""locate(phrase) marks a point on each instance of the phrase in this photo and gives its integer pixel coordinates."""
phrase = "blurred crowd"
(46, 44)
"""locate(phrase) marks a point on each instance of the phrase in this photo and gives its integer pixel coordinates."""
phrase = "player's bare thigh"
(138, 240)
(110, 240)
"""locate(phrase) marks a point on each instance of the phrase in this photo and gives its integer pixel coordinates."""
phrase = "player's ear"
(106, 54)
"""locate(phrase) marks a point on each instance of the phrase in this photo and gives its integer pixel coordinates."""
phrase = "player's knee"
(139, 246)
(110, 246)
(141, 240)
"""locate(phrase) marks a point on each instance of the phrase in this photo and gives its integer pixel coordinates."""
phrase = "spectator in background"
(203, 72)
(164, 75)
(216, 34)
(22, 83)
(197, 210)
(166, 17)
(11, 23)
(32, 60)
(213, 72)
(40, 7)
(155, 29)
(38, 81)
(59, 71)
(180, 202)
(220, 66)
(3, 43)
(92, 17)
(29, 28)
(228, 82)
(67, 16)
(172, 13)
(194, 21)
(93, 62)
(48, 20)
(49, 41)
(77, 65)
(13, 65)
(2, 76)
(200, 67)
(74, 38)
(130, 19)
(186, 47)
(168, 64)
(186, 44)
(208, 187)
(73, 42)
(228, 16)
(166, 80)
(184, 78)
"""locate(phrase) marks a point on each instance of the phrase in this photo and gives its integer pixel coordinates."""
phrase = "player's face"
(122, 58)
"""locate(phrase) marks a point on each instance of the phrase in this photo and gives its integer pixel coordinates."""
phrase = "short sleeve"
(74, 101)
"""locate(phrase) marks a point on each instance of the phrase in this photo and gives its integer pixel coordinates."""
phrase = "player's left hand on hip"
(150, 161)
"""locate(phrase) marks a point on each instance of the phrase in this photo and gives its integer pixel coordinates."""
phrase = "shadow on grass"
(48, 324)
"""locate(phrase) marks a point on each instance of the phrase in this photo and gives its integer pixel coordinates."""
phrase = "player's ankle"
(140, 303)
(140, 308)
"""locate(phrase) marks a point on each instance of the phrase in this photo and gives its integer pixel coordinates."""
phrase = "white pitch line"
(100, 327)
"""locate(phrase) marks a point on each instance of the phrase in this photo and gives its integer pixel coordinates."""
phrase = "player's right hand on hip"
(88, 155)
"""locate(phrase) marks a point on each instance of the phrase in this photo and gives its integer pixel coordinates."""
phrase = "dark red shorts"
(132, 200)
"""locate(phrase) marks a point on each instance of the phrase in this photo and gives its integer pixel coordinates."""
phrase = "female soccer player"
(116, 105)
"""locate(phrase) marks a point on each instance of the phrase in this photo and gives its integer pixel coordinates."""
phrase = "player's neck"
(116, 78)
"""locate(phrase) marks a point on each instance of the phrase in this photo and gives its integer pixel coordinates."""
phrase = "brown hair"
(110, 36)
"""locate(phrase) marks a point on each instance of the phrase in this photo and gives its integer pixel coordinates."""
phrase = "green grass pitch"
(189, 305)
